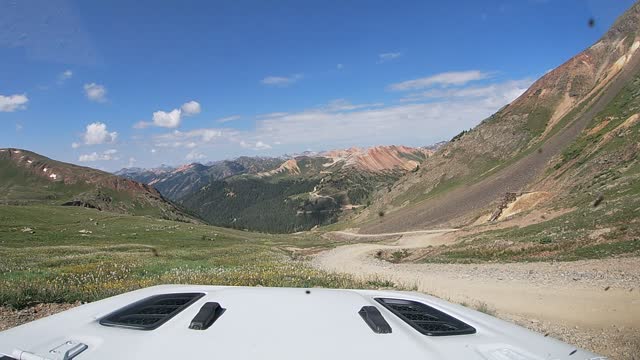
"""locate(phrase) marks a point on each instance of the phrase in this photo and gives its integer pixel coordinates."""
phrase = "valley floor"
(67, 255)
(594, 304)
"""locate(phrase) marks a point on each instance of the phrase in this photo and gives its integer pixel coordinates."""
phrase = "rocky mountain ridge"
(517, 147)
(28, 177)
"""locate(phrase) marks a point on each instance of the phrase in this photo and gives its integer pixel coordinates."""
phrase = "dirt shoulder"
(10, 318)
(591, 303)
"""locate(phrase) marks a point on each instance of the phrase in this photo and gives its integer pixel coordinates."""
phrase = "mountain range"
(568, 145)
(289, 193)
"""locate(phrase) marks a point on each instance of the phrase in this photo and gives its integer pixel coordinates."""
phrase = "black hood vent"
(425, 319)
(150, 313)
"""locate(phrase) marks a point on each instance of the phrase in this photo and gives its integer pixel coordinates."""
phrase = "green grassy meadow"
(68, 254)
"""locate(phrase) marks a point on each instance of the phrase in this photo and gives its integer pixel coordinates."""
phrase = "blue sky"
(119, 83)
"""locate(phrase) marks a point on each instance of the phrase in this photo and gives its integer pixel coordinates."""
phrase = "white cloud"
(167, 119)
(104, 156)
(96, 133)
(272, 115)
(89, 157)
(95, 92)
(228, 119)
(258, 145)
(206, 135)
(18, 127)
(344, 105)
(13, 102)
(131, 162)
(171, 119)
(194, 155)
(185, 139)
(421, 117)
(444, 79)
(498, 93)
(415, 123)
(385, 57)
(64, 76)
(142, 124)
(191, 108)
(281, 80)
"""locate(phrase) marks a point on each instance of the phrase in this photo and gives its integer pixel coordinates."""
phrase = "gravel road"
(593, 303)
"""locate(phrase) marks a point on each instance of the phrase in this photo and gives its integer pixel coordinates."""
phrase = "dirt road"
(593, 304)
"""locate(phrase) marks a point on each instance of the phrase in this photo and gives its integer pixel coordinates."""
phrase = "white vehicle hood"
(279, 323)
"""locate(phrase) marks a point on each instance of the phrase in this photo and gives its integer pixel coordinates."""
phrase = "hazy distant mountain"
(177, 182)
(283, 194)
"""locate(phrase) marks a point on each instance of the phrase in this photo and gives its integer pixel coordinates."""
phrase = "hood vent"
(208, 314)
(371, 315)
(425, 319)
(150, 313)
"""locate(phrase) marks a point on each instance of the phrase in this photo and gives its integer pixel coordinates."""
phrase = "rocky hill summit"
(27, 177)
